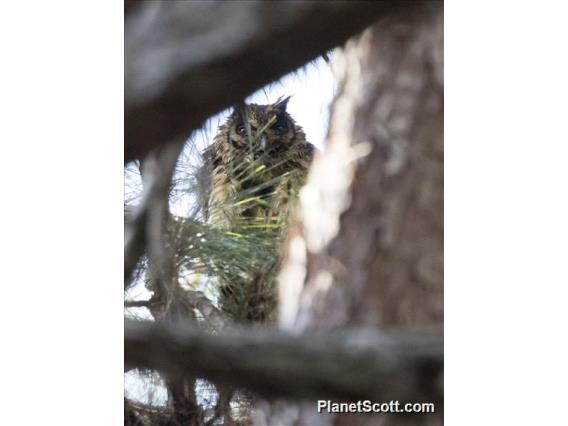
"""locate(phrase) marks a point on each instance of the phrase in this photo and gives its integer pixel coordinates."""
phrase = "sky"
(311, 90)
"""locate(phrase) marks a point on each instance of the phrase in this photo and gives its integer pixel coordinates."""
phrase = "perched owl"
(256, 165)
(256, 159)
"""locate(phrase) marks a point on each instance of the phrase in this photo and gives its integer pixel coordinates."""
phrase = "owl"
(257, 162)
(256, 165)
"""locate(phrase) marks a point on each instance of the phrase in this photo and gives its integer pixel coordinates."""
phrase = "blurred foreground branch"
(186, 61)
(158, 171)
(346, 365)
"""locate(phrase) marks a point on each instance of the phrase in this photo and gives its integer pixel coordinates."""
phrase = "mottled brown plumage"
(260, 154)
(256, 165)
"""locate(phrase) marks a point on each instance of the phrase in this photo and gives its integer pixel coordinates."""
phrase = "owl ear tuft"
(239, 111)
(281, 104)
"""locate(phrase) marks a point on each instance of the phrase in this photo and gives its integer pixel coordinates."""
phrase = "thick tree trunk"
(370, 243)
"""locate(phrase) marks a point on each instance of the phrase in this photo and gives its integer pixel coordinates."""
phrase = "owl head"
(258, 151)
(265, 130)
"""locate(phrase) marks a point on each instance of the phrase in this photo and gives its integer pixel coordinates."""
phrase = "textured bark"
(186, 61)
(370, 242)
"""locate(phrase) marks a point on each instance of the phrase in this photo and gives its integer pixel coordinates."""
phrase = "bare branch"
(348, 365)
(156, 181)
(134, 240)
(138, 303)
(157, 169)
(186, 61)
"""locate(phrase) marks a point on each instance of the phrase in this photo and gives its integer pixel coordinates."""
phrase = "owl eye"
(280, 127)
(241, 129)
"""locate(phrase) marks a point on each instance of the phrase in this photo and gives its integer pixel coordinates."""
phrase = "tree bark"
(369, 245)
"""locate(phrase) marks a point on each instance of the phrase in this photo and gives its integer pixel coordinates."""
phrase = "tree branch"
(349, 365)
(156, 182)
(138, 303)
(186, 61)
